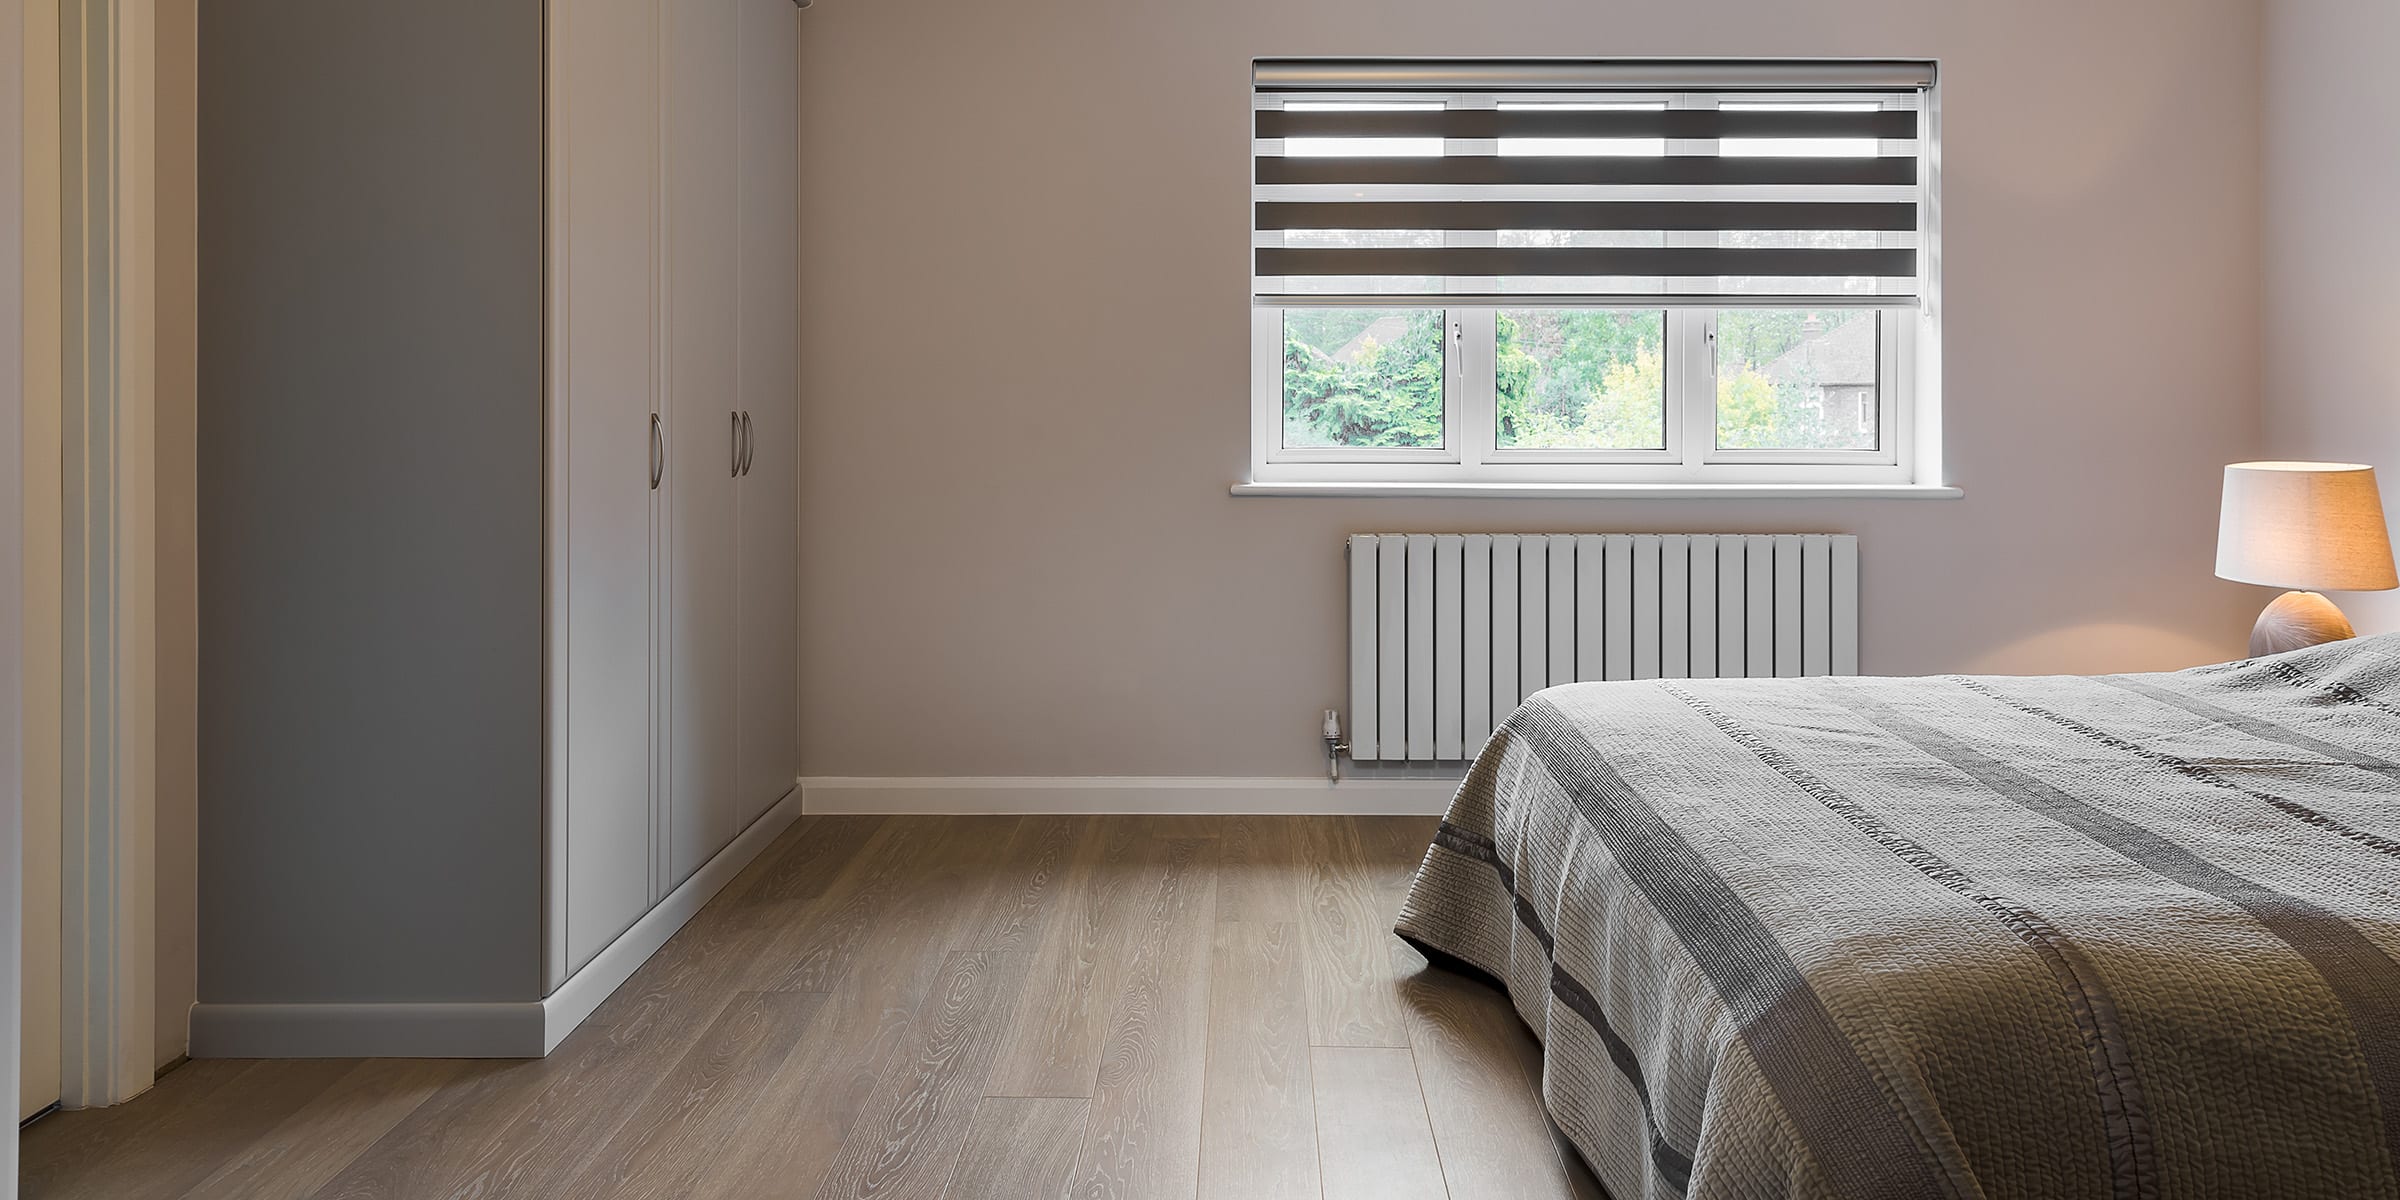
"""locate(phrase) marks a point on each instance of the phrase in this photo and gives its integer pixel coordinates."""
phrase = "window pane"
(1362, 147)
(1798, 379)
(1581, 378)
(1751, 147)
(1362, 377)
(1358, 147)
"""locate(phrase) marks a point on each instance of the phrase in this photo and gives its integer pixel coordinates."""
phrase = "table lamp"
(2304, 526)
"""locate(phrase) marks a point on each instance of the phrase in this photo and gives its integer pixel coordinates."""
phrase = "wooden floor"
(932, 1007)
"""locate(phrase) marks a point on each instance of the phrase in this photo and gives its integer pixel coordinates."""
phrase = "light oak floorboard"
(1019, 1148)
(1395, 848)
(58, 1153)
(686, 1123)
(1025, 891)
(1180, 825)
(1480, 1070)
(441, 1149)
(1263, 875)
(808, 1107)
(550, 1142)
(312, 1145)
(684, 984)
(1052, 1047)
(1143, 1138)
(918, 887)
(1353, 992)
(182, 1145)
(536, 1129)
(808, 859)
(1372, 1132)
(880, 958)
(913, 1126)
(1258, 1127)
(853, 1013)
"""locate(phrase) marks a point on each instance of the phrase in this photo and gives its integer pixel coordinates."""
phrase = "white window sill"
(1612, 491)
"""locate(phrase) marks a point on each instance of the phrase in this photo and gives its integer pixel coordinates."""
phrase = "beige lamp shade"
(2306, 526)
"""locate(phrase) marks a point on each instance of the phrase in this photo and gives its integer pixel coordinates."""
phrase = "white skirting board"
(531, 1029)
(966, 795)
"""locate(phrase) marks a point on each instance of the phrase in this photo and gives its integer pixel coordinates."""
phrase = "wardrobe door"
(702, 268)
(603, 204)
(770, 370)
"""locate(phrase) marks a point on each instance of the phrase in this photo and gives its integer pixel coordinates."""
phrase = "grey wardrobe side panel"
(371, 457)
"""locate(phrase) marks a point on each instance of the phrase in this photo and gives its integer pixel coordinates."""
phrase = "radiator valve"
(1334, 745)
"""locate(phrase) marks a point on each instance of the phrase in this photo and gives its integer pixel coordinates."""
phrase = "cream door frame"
(37, 989)
(12, 542)
(108, 701)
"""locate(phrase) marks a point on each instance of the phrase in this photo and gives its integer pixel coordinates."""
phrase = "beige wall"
(1025, 339)
(2332, 296)
(178, 544)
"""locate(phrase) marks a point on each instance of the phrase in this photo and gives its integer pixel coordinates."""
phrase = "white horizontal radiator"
(1450, 632)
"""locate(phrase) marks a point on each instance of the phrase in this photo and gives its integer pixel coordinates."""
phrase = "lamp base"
(2296, 621)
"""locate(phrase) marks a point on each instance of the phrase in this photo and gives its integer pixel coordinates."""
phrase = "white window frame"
(1906, 458)
(1470, 451)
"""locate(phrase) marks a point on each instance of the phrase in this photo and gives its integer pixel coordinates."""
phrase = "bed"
(2116, 937)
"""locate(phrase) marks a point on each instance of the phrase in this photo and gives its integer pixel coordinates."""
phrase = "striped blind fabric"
(1559, 181)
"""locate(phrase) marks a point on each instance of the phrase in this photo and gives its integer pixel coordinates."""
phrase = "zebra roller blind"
(1640, 182)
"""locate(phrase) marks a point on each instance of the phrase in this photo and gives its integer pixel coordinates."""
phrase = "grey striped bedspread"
(2119, 937)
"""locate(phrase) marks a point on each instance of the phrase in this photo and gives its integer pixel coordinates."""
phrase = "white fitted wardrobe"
(499, 512)
(674, 159)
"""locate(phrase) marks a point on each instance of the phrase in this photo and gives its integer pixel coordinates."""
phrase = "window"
(1552, 271)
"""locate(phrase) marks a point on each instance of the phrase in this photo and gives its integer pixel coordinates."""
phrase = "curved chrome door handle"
(658, 452)
(737, 443)
(749, 443)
